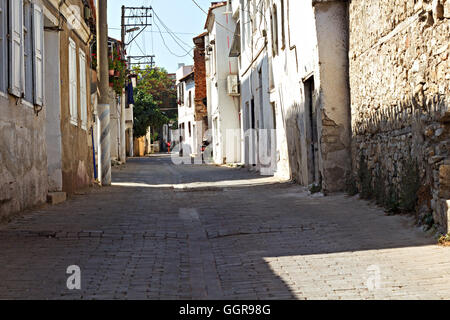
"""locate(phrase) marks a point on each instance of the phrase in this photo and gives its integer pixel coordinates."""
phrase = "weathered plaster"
(23, 157)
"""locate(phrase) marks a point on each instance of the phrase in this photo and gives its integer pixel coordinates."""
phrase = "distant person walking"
(168, 146)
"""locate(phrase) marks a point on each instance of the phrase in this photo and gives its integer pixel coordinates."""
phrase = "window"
(190, 129)
(27, 51)
(83, 91)
(15, 56)
(33, 53)
(190, 99)
(254, 14)
(195, 137)
(3, 52)
(181, 93)
(214, 60)
(73, 101)
(274, 29)
(38, 55)
(252, 114)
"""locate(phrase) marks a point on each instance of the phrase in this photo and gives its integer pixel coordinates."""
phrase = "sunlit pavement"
(205, 232)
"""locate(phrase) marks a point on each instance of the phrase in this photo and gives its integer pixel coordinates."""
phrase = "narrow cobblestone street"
(205, 232)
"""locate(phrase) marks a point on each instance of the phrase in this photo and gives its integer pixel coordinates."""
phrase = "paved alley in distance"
(205, 232)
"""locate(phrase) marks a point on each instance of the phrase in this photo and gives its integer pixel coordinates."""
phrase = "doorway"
(312, 132)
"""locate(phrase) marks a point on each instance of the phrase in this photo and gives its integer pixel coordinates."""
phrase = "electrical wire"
(168, 30)
(174, 37)
(167, 47)
(185, 33)
(218, 23)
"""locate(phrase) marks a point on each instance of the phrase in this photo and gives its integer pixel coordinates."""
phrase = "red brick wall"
(200, 78)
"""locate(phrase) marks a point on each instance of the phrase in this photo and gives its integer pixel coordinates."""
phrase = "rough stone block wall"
(399, 80)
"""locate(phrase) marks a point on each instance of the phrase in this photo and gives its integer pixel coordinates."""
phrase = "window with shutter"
(83, 91)
(38, 55)
(274, 19)
(3, 51)
(73, 101)
(27, 51)
(16, 63)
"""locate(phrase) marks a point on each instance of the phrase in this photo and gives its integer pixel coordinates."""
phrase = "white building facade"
(222, 73)
(294, 78)
(186, 110)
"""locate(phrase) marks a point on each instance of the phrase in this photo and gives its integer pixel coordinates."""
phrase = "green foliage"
(427, 220)
(156, 81)
(120, 71)
(365, 178)
(315, 188)
(155, 90)
(146, 113)
(94, 61)
(392, 202)
(444, 239)
(410, 184)
(174, 125)
(379, 188)
(351, 188)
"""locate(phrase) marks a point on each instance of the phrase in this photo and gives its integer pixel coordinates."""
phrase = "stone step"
(56, 197)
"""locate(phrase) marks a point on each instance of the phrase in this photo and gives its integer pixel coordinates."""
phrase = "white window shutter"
(83, 91)
(3, 52)
(16, 74)
(73, 101)
(38, 54)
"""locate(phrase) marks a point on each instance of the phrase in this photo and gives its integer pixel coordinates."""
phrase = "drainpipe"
(104, 153)
(93, 154)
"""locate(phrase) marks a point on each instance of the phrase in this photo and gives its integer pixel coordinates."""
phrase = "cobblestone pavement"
(197, 232)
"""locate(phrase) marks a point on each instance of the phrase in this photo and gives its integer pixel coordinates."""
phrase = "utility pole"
(149, 60)
(103, 100)
(122, 148)
(135, 19)
(123, 31)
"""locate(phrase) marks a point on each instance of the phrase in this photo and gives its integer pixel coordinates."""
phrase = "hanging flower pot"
(111, 84)
(111, 72)
(116, 73)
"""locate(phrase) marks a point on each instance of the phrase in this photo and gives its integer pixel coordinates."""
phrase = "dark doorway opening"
(313, 136)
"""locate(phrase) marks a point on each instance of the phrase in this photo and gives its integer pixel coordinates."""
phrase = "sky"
(182, 17)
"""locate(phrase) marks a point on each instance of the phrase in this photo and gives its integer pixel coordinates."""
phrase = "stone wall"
(399, 83)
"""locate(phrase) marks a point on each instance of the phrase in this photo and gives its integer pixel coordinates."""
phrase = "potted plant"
(111, 66)
(94, 61)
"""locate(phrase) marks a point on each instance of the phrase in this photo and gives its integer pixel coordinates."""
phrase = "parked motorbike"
(206, 152)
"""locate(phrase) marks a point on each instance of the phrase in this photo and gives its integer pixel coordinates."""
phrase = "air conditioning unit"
(233, 85)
